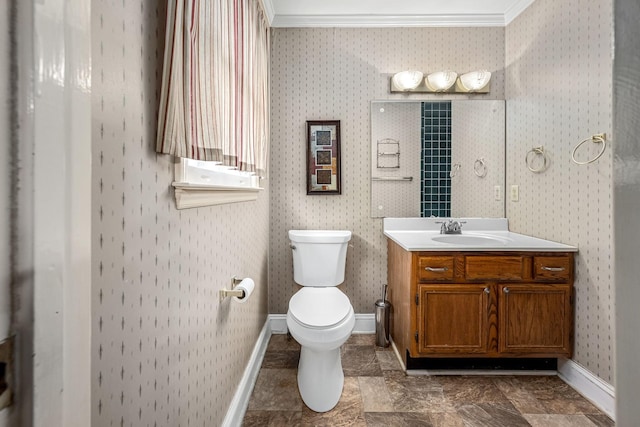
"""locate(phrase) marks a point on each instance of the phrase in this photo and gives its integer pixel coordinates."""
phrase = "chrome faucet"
(451, 227)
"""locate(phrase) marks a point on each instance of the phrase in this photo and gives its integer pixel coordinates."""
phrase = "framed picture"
(323, 157)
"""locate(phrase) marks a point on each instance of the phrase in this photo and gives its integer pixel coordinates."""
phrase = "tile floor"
(377, 393)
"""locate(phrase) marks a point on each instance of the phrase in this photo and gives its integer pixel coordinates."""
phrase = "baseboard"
(365, 323)
(278, 323)
(600, 393)
(275, 324)
(240, 401)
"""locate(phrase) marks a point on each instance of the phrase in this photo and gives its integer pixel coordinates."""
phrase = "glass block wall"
(435, 197)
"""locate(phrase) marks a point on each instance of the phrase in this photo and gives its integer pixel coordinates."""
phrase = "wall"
(476, 136)
(558, 73)
(165, 351)
(323, 74)
(626, 163)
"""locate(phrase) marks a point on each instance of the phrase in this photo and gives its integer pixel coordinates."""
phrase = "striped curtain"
(215, 86)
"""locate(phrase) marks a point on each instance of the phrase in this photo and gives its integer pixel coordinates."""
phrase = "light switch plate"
(515, 193)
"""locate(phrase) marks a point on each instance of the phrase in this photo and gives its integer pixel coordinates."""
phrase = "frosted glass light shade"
(407, 80)
(441, 80)
(475, 80)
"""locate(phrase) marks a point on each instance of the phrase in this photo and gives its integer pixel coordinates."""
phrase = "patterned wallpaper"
(478, 132)
(165, 351)
(399, 121)
(559, 92)
(334, 73)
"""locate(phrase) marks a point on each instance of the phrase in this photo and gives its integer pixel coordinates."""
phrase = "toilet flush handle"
(293, 247)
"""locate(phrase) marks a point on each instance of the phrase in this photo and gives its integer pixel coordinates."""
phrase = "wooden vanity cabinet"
(481, 304)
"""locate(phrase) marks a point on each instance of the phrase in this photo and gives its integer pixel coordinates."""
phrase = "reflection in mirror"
(438, 158)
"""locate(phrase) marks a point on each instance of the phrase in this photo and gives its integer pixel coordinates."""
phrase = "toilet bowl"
(320, 316)
(320, 375)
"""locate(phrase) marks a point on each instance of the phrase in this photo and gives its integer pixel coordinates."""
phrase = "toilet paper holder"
(239, 293)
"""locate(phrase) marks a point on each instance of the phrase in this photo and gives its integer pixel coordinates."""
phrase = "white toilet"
(320, 316)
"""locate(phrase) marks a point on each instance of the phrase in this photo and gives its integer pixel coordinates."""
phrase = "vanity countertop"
(478, 234)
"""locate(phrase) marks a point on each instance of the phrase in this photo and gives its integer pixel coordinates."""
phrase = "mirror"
(438, 158)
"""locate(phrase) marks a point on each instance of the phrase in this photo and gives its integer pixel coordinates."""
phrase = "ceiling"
(393, 13)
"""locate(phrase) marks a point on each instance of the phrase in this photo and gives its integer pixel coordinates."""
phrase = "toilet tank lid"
(320, 236)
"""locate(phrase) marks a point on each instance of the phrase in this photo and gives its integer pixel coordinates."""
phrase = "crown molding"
(369, 20)
(515, 10)
(269, 10)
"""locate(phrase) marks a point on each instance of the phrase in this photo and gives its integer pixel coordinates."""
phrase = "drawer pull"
(437, 269)
(552, 268)
(506, 290)
(486, 290)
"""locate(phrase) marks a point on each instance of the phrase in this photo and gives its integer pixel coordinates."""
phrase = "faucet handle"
(444, 227)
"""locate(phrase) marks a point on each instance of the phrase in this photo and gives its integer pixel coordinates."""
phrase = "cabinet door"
(454, 319)
(535, 319)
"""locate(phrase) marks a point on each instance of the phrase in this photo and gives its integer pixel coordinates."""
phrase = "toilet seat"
(319, 308)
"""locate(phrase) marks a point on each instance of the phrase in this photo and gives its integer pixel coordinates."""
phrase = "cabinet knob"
(486, 290)
(506, 290)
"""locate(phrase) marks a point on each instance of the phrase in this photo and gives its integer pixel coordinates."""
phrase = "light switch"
(515, 193)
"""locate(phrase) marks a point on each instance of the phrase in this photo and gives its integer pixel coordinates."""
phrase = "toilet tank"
(319, 256)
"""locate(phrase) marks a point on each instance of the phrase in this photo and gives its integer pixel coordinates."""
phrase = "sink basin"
(470, 240)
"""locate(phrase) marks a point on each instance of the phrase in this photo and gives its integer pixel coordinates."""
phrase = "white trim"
(355, 21)
(62, 240)
(365, 324)
(515, 10)
(267, 6)
(278, 323)
(240, 401)
(198, 195)
(597, 391)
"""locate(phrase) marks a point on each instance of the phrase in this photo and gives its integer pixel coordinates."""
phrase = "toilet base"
(320, 378)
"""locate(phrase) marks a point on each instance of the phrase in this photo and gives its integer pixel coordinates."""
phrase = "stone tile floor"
(378, 393)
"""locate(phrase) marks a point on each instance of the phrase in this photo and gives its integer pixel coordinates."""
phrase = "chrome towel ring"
(529, 159)
(480, 168)
(454, 169)
(599, 138)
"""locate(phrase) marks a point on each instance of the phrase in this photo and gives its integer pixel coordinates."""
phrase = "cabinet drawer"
(435, 268)
(479, 267)
(552, 267)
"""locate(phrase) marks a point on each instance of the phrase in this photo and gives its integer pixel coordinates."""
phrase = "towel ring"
(537, 151)
(597, 138)
(454, 169)
(480, 168)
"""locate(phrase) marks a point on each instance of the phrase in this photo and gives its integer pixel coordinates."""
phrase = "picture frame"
(323, 157)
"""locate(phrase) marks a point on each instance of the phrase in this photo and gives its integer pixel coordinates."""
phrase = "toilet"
(320, 316)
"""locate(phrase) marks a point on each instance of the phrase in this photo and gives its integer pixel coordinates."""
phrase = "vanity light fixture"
(441, 82)
(474, 81)
(407, 80)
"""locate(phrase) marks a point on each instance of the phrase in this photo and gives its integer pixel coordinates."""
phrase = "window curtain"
(215, 87)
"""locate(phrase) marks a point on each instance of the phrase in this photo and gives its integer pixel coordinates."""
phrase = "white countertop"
(478, 234)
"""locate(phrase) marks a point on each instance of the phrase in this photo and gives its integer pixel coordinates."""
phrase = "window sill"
(198, 195)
